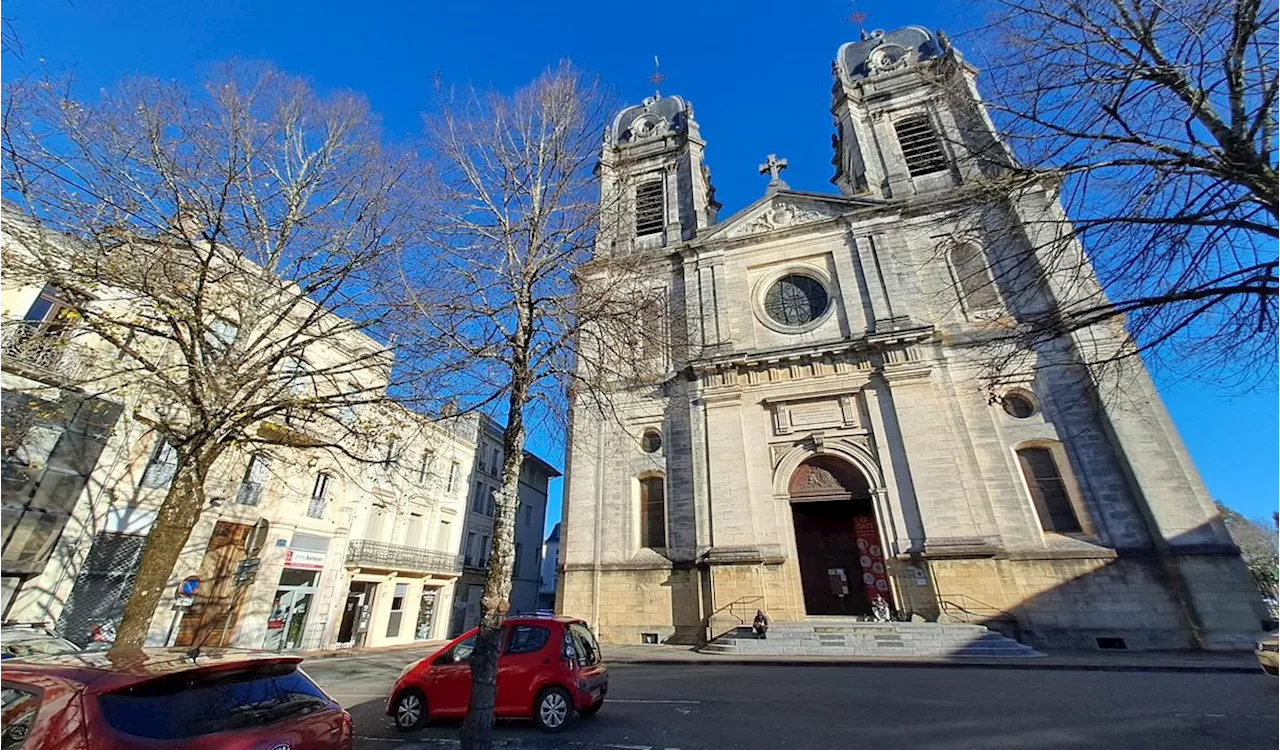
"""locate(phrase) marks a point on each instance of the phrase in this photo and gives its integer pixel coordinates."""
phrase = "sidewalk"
(1098, 661)
(1092, 661)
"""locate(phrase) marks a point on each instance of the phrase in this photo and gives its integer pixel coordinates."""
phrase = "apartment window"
(397, 609)
(488, 501)
(255, 479)
(390, 462)
(973, 280)
(653, 513)
(515, 564)
(477, 499)
(528, 515)
(1048, 491)
(377, 518)
(484, 550)
(162, 466)
(425, 467)
(497, 461)
(921, 148)
(319, 495)
(220, 335)
(453, 477)
(443, 534)
(649, 204)
(413, 532)
(470, 552)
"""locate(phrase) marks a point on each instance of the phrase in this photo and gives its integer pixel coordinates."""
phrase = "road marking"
(623, 700)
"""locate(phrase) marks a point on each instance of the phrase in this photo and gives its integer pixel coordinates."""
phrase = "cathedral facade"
(821, 440)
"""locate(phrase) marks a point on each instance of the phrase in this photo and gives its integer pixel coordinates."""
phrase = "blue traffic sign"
(189, 586)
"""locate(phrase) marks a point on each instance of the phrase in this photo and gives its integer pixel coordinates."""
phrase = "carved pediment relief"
(780, 214)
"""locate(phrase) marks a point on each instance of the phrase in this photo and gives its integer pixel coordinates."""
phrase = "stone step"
(851, 637)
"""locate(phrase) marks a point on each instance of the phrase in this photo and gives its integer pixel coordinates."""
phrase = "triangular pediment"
(784, 209)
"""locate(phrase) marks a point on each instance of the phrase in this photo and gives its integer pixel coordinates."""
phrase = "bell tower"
(908, 117)
(655, 190)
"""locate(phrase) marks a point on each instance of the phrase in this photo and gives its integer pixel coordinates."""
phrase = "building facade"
(357, 552)
(817, 437)
(550, 561)
(477, 539)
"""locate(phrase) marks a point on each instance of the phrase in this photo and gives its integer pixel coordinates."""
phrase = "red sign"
(297, 558)
(871, 559)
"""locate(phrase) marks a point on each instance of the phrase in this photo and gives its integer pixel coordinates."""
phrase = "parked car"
(1267, 653)
(18, 641)
(548, 668)
(154, 698)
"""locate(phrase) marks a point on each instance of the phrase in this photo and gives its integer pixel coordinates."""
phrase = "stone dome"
(882, 52)
(655, 117)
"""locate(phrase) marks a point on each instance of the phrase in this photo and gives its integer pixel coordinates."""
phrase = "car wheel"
(553, 709)
(593, 709)
(410, 710)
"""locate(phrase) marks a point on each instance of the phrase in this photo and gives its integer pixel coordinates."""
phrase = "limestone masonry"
(815, 435)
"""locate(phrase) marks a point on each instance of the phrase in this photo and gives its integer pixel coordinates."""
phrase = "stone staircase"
(849, 636)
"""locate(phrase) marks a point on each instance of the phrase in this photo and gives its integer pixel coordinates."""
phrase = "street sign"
(257, 537)
(189, 586)
(247, 571)
(182, 602)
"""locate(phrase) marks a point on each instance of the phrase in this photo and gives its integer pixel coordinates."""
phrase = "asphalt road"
(699, 707)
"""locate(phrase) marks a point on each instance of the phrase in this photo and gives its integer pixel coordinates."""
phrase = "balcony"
(369, 554)
(30, 351)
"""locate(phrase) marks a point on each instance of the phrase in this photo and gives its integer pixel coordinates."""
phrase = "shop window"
(397, 610)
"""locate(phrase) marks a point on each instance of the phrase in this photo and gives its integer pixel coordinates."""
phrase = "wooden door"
(215, 602)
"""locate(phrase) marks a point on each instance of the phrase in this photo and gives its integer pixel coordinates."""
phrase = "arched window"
(921, 148)
(653, 512)
(973, 280)
(1048, 491)
(649, 205)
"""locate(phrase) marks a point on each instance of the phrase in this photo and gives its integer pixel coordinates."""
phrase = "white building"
(357, 552)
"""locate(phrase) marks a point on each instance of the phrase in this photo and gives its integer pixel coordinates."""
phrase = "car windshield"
(190, 705)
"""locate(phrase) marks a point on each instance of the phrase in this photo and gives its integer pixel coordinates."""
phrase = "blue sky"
(757, 73)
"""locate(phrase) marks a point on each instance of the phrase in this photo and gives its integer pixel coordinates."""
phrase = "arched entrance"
(838, 545)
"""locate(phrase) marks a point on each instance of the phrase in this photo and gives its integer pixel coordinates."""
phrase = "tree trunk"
(177, 516)
(477, 730)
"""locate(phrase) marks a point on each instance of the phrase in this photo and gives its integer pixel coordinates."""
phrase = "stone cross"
(773, 166)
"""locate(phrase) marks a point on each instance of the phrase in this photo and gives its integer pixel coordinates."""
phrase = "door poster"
(871, 559)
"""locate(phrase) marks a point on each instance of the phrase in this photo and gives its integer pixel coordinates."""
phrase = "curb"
(890, 664)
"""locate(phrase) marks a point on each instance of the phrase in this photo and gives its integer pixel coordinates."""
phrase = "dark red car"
(162, 698)
(549, 668)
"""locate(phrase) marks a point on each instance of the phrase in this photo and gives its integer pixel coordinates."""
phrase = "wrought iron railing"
(401, 557)
(32, 350)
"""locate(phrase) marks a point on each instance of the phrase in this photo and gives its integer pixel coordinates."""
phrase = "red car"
(549, 667)
(163, 698)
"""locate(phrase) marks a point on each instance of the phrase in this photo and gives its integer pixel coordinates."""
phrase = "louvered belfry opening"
(649, 214)
(920, 145)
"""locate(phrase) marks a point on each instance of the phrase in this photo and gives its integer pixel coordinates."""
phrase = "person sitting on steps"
(760, 626)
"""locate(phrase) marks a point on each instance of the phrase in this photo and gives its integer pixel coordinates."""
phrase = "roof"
(547, 468)
(882, 52)
(657, 116)
(106, 671)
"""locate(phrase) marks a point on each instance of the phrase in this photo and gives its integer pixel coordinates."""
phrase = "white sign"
(299, 558)
(182, 602)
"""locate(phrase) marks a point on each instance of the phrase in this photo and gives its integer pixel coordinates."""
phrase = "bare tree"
(220, 246)
(501, 310)
(1154, 124)
(1258, 548)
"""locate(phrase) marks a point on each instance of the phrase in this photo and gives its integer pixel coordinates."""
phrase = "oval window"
(651, 442)
(1018, 406)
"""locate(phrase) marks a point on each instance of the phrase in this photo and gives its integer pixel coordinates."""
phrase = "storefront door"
(288, 620)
